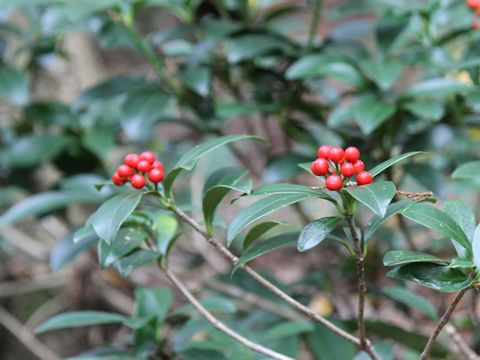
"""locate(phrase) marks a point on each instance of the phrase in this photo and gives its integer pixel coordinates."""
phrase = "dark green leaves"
(376, 221)
(476, 247)
(80, 318)
(109, 217)
(370, 113)
(126, 240)
(13, 86)
(464, 217)
(126, 265)
(316, 232)
(437, 88)
(468, 170)
(257, 231)
(376, 196)
(400, 257)
(383, 73)
(386, 164)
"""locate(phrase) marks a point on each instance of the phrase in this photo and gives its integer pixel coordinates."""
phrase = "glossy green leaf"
(386, 164)
(438, 221)
(128, 264)
(437, 88)
(376, 221)
(400, 257)
(257, 231)
(126, 240)
(113, 86)
(411, 299)
(246, 47)
(376, 196)
(461, 263)
(291, 189)
(198, 79)
(79, 318)
(189, 159)
(66, 250)
(468, 170)
(287, 328)
(260, 209)
(425, 110)
(315, 232)
(152, 303)
(14, 86)
(476, 247)
(434, 276)
(370, 113)
(383, 73)
(217, 186)
(166, 232)
(464, 217)
(265, 247)
(340, 116)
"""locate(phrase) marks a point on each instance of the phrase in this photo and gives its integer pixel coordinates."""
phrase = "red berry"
(473, 4)
(364, 178)
(148, 156)
(336, 154)
(138, 181)
(347, 169)
(324, 151)
(319, 167)
(157, 165)
(118, 180)
(155, 175)
(333, 182)
(144, 166)
(125, 171)
(352, 154)
(132, 160)
(359, 166)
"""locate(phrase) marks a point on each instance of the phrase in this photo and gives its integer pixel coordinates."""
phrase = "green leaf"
(166, 232)
(461, 263)
(376, 221)
(370, 113)
(126, 240)
(285, 329)
(476, 247)
(126, 265)
(291, 189)
(315, 232)
(152, 303)
(326, 345)
(189, 159)
(468, 170)
(434, 88)
(434, 276)
(400, 257)
(376, 196)
(246, 47)
(438, 221)
(65, 250)
(110, 216)
(217, 186)
(464, 218)
(213, 304)
(425, 110)
(383, 73)
(411, 299)
(265, 247)
(197, 79)
(14, 86)
(260, 209)
(386, 164)
(114, 86)
(79, 318)
(340, 116)
(257, 231)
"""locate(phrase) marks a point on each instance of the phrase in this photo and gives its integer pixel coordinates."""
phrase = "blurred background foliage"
(84, 82)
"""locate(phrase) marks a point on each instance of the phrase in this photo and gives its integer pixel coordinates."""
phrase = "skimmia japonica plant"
(132, 232)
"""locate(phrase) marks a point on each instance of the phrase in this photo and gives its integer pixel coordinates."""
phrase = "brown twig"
(415, 195)
(220, 325)
(465, 350)
(443, 321)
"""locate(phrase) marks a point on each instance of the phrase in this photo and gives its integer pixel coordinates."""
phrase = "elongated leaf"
(468, 170)
(376, 221)
(370, 114)
(289, 189)
(79, 318)
(315, 232)
(438, 221)
(464, 217)
(166, 233)
(400, 257)
(110, 216)
(265, 247)
(152, 303)
(434, 276)
(411, 299)
(66, 250)
(425, 110)
(189, 159)
(126, 240)
(437, 88)
(126, 265)
(257, 231)
(260, 209)
(218, 185)
(376, 196)
(461, 263)
(13, 86)
(386, 164)
(476, 247)
(383, 73)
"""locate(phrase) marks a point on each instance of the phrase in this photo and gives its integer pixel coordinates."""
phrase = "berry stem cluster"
(137, 168)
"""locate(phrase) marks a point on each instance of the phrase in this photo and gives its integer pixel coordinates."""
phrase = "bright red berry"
(132, 160)
(347, 169)
(359, 166)
(144, 166)
(336, 154)
(157, 165)
(319, 167)
(138, 181)
(352, 154)
(333, 182)
(364, 178)
(125, 171)
(324, 151)
(155, 175)
(148, 156)
(118, 180)
(473, 4)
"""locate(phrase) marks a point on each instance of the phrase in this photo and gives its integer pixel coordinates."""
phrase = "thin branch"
(443, 321)
(458, 340)
(415, 195)
(220, 325)
(317, 10)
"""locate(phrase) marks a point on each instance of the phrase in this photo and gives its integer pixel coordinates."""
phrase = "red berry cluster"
(475, 6)
(135, 168)
(337, 165)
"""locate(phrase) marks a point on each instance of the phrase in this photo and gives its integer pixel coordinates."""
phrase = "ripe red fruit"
(319, 167)
(155, 175)
(364, 178)
(148, 156)
(475, 25)
(138, 181)
(352, 154)
(336, 154)
(157, 165)
(118, 180)
(347, 169)
(125, 171)
(333, 182)
(473, 4)
(359, 166)
(324, 151)
(144, 166)
(132, 160)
